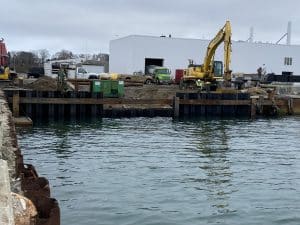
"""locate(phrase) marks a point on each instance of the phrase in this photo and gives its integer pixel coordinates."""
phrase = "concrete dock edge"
(6, 210)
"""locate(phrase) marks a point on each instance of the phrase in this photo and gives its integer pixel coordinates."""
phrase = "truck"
(81, 73)
(35, 72)
(73, 69)
(159, 74)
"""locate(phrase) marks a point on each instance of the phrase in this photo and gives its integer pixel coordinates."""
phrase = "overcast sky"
(87, 26)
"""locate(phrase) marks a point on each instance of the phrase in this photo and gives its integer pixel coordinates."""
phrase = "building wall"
(127, 55)
(247, 57)
(121, 56)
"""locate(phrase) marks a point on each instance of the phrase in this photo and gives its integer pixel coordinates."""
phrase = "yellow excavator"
(207, 75)
(4, 73)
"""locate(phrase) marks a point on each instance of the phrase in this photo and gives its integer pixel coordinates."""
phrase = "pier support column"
(16, 104)
(28, 107)
(290, 106)
(176, 107)
(253, 108)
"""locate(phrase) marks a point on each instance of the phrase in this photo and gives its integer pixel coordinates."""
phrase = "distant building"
(133, 53)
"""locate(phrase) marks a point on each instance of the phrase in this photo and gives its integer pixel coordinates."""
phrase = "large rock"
(25, 212)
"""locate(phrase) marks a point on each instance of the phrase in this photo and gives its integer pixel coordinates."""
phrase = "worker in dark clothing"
(264, 70)
(61, 80)
(259, 71)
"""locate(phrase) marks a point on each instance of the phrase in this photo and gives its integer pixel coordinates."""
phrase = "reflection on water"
(213, 145)
(160, 171)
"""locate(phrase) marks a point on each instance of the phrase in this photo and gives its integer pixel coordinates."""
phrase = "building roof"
(134, 36)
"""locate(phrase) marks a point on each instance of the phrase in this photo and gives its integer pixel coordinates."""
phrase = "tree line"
(23, 61)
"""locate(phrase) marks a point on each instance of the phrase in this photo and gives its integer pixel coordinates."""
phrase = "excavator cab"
(218, 69)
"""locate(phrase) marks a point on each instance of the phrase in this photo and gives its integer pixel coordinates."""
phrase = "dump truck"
(160, 75)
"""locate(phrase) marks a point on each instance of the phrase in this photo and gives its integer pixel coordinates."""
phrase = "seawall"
(24, 196)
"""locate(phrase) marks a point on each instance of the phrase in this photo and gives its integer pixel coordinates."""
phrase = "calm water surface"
(148, 171)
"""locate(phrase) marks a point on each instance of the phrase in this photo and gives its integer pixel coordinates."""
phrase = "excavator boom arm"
(227, 52)
(224, 35)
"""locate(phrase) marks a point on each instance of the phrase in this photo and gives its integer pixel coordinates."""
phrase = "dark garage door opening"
(153, 61)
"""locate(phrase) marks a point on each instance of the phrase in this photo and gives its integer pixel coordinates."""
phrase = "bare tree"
(43, 55)
(81, 55)
(64, 54)
(22, 61)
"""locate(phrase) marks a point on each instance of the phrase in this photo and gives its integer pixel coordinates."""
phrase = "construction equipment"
(5, 72)
(161, 75)
(207, 75)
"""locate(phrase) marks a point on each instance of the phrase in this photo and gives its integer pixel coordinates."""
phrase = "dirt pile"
(43, 84)
(148, 92)
(151, 92)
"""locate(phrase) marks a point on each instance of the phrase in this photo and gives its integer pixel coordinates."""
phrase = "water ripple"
(159, 171)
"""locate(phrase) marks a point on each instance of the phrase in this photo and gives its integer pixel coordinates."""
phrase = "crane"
(207, 73)
(4, 70)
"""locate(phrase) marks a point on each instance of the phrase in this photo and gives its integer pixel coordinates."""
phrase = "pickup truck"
(36, 72)
(80, 73)
(73, 71)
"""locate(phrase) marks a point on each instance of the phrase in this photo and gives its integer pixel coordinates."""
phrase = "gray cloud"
(88, 25)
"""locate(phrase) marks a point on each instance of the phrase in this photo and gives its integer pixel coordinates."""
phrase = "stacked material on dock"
(136, 80)
(284, 88)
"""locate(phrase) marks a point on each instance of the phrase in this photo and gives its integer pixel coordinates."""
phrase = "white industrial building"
(133, 53)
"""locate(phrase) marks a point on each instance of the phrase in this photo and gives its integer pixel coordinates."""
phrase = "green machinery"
(110, 88)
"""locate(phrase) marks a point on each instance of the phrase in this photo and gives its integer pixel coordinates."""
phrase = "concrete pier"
(8, 142)
(8, 181)
(6, 210)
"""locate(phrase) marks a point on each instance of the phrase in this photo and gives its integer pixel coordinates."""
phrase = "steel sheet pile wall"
(54, 104)
(204, 104)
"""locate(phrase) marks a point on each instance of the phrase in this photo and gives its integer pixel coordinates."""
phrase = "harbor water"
(157, 171)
